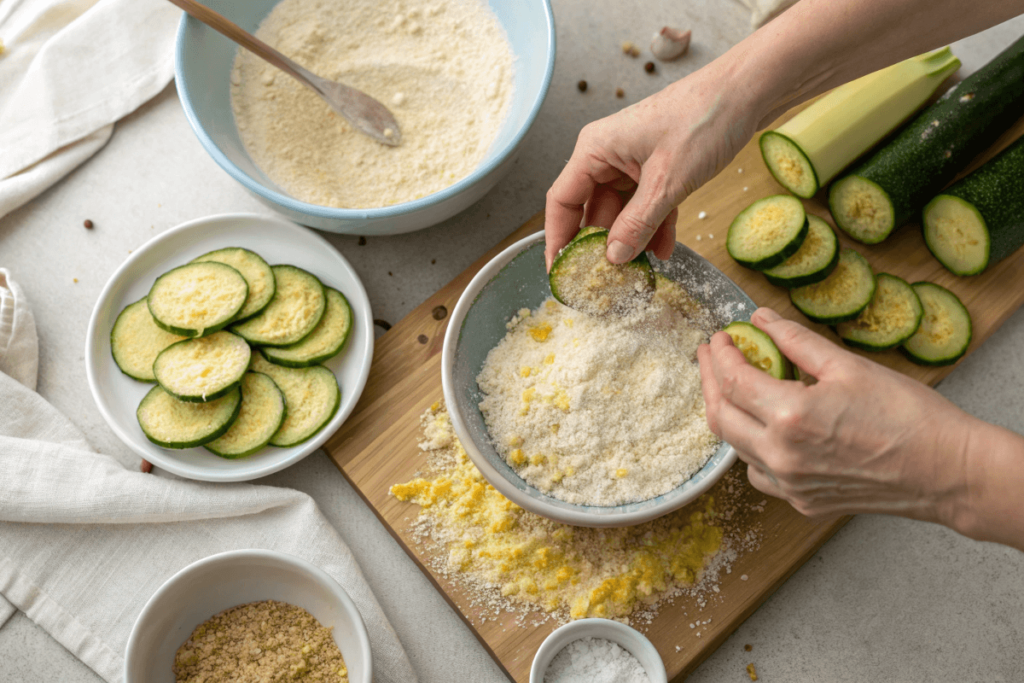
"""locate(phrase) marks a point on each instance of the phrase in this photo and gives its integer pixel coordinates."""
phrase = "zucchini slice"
(296, 308)
(813, 261)
(171, 423)
(891, 318)
(945, 331)
(862, 209)
(136, 341)
(759, 349)
(842, 295)
(311, 397)
(197, 299)
(767, 232)
(254, 269)
(261, 415)
(582, 278)
(325, 341)
(789, 164)
(202, 369)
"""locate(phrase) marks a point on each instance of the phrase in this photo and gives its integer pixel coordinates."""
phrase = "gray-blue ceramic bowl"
(202, 69)
(514, 279)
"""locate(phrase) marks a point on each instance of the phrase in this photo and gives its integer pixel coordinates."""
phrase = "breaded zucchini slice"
(296, 308)
(261, 415)
(325, 341)
(197, 299)
(136, 340)
(171, 423)
(202, 369)
(311, 396)
(254, 269)
(582, 278)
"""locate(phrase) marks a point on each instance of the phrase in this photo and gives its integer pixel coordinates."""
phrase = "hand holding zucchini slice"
(582, 278)
(842, 295)
(261, 415)
(202, 369)
(767, 232)
(813, 261)
(254, 269)
(759, 349)
(945, 331)
(136, 340)
(197, 299)
(296, 308)
(325, 341)
(891, 318)
(311, 398)
(171, 423)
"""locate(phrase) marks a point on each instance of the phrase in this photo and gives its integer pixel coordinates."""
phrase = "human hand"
(864, 438)
(655, 152)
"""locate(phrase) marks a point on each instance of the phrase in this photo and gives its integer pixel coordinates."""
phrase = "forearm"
(991, 507)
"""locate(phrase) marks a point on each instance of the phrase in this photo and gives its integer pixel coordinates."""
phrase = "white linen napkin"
(85, 542)
(68, 70)
(763, 11)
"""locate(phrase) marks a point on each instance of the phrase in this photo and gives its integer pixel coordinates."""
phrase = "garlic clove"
(670, 43)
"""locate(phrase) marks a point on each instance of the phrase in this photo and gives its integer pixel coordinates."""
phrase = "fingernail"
(619, 252)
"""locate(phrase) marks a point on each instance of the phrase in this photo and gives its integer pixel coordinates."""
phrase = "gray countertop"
(885, 599)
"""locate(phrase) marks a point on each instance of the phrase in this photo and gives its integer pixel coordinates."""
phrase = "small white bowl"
(222, 581)
(625, 637)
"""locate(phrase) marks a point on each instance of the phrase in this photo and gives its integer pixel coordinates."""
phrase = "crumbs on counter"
(702, 215)
(748, 647)
(752, 672)
(581, 86)
(88, 224)
(620, 93)
(630, 48)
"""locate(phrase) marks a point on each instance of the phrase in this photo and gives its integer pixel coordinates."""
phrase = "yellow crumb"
(540, 332)
(752, 672)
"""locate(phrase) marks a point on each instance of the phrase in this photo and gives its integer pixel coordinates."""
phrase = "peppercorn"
(87, 224)
(582, 85)
(422, 339)
(440, 312)
(620, 93)
(649, 67)
(362, 241)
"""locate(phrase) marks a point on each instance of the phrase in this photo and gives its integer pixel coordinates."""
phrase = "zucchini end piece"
(788, 164)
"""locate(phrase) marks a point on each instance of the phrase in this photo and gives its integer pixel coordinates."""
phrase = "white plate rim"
(163, 458)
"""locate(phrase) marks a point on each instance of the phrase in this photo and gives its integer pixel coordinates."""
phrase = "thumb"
(648, 208)
(808, 350)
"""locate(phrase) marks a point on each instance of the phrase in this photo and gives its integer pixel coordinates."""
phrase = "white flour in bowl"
(600, 410)
(443, 68)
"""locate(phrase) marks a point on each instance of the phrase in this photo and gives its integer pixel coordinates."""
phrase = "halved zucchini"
(261, 415)
(254, 269)
(197, 299)
(171, 423)
(202, 369)
(296, 308)
(945, 331)
(136, 340)
(311, 396)
(582, 278)
(759, 349)
(842, 295)
(767, 232)
(813, 261)
(890, 319)
(325, 341)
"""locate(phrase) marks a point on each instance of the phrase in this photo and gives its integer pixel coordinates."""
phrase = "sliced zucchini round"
(890, 319)
(675, 296)
(136, 341)
(759, 349)
(261, 415)
(197, 299)
(789, 164)
(842, 295)
(171, 423)
(582, 278)
(945, 331)
(311, 397)
(254, 269)
(325, 341)
(956, 234)
(767, 232)
(296, 308)
(202, 369)
(861, 209)
(813, 261)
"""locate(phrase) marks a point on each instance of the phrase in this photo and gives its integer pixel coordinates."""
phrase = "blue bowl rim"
(290, 203)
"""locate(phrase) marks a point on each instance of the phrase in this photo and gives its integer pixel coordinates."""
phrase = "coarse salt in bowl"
(625, 637)
(516, 278)
(202, 72)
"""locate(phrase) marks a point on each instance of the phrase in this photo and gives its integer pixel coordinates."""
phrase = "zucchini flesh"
(197, 299)
(758, 348)
(296, 308)
(311, 398)
(254, 269)
(136, 340)
(582, 278)
(842, 295)
(928, 152)
(259, 418)
(202, 369)
(171, 423)
(807, 151)
(945, 331)
(979, 220)
(767, 232)
(891, 318)
(325, 341)
(813, 261)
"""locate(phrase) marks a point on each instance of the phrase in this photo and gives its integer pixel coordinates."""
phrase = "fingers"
(811, 352)
(563, 209)
(643, 214)
(733, 425)
(664, 240)
(603, 207)
(745, 386)
(763, 481)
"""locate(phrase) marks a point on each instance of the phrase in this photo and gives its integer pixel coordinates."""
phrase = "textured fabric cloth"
(85, 542)
(69, 70)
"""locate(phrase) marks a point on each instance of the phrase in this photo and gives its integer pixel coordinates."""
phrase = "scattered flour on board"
(443, 68)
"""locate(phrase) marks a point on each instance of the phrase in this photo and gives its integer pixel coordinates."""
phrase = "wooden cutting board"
(377, 446)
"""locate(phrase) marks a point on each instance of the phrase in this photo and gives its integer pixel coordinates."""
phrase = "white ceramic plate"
(276, 240)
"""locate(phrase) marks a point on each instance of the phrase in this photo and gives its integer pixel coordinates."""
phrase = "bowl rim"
(488, 165)
(540, 506)
(609, 629)
(321, 577)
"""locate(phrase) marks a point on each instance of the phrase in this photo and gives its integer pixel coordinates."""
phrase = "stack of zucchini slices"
(234, 346)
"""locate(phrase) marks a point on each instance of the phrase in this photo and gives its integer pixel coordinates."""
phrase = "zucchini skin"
(794, 282)
(869, 346)
(780, 257)
(923, 157)
(996, 191)
(197, 442)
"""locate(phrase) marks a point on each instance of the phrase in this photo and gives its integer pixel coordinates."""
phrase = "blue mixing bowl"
(202, 69)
